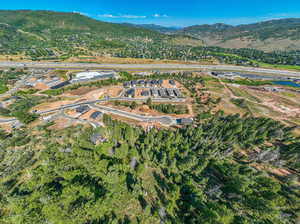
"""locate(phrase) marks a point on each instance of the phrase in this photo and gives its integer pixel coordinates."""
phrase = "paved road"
(172, 100)
(165, 120)
(148, 67)
(8, 120)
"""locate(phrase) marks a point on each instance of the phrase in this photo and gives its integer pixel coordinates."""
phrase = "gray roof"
(82, 109)
(185, 121)
(96, 138)
(96, 114)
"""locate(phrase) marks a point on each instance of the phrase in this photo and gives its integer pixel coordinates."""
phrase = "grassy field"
(283, 67)
(243, 93)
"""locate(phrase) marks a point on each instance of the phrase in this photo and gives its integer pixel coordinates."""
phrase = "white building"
(86, 76)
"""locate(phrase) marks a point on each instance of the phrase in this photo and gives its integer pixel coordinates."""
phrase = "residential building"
(177, 93)
(59, 85)
(170, 92)
(96, 115)
(97, 138)
(162, 93)
(133, 83)
(172, 82)
(184, 121)
(154, 92)
(130, 93)
(127, 84)
(82, 109)
(145, 93)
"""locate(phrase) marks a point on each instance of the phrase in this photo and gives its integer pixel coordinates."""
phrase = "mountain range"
(280, 34)
(48, 33)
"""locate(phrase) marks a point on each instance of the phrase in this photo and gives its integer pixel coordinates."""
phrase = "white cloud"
(125, 16)
(156, 15)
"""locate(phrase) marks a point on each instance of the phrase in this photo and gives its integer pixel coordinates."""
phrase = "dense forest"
(197, 174)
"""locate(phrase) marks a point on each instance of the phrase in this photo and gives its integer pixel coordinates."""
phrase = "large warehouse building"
(87, 76)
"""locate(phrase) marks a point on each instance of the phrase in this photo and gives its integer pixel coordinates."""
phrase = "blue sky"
(169, 12)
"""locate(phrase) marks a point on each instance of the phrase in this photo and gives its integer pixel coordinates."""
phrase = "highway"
(58, 65)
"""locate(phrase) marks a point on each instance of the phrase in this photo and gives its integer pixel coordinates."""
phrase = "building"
(170, 92)
(130, 93)
(59, 85)
(97, 139)
(87, 76)
(177, 93)
(127, 84)
(143, 73)
(154, 92)
(162, 93)
(96, 115)
(172, 82)
(147, 83)
(184, 121)
(272, 89)
(82, 109)
(141, 82)
(133, 83)
(154, 83)
(145, 93)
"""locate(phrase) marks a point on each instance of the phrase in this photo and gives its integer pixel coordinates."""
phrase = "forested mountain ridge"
(280, 34)
(58, 33)
(48, 35)
(154, 27)
(263, 35)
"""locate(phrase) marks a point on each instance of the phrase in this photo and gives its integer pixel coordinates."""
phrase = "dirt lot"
(144, 125)
(61, 124)
(41, 86)
(146, 111)
(81, 91)
(49, 106)
(138, 92)
(260, 103)
(95, 93)
(87, 115)
(166, 84)
(6, 127)
(84, 94)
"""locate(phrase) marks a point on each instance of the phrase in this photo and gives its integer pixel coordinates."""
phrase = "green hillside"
(40, 35)
(264, 35)
(49, 33)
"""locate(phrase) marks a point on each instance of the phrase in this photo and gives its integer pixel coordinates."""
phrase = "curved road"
(165, 120)
(49, 65)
